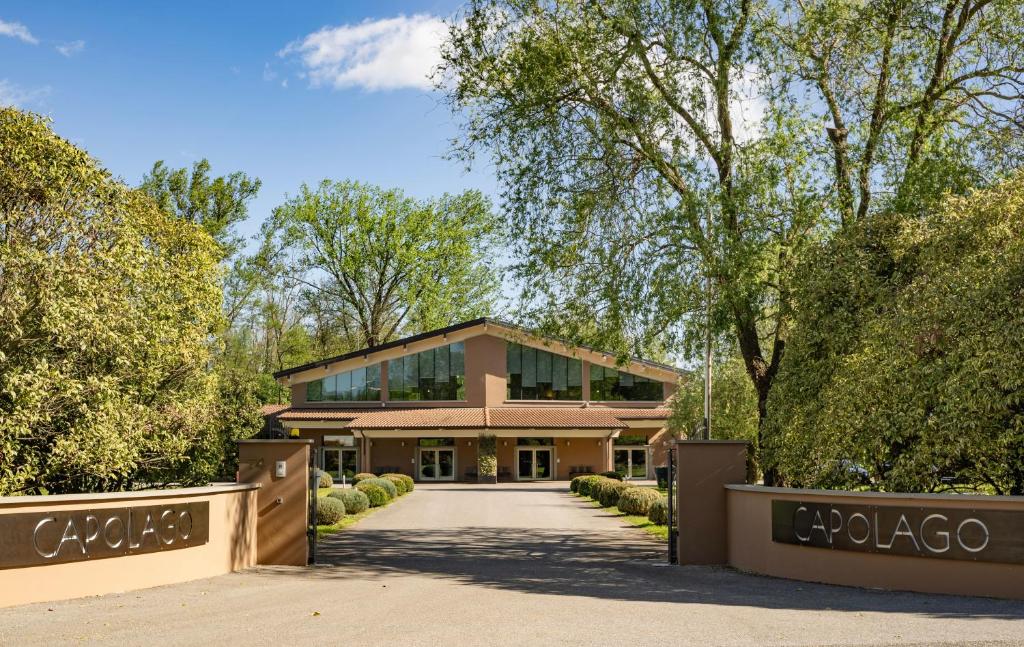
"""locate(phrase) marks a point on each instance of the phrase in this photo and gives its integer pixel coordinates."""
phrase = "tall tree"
(630, 173)
(385, 264)
(109, 305)
(918, 96)
(216, 204)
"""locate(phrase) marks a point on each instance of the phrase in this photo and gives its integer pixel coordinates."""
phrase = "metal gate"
(314, 487)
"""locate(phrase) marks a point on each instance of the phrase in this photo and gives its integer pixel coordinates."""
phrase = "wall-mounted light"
(403, 443)
(567, 443)
(469, 443)
(504, 443)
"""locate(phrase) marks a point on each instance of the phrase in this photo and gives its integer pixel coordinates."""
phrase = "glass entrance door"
(631, 462)
(340, 461)
(534, 463)
(437, 464)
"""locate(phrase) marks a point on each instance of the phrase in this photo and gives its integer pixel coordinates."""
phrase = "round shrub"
(574, 484)
(587, 484)
(638, 500)
(611, 492)
(362, 476)
(398, 481)
(388, 486)
(599, 486)
(376, 495)
(659, 512)
(355, 501)
(323, 479)
(611, 474)
(329, 511)
(402, 481)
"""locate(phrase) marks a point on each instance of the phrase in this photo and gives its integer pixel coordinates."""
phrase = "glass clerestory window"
(435, 374)
(535, 374)
(358, 385)
(607, 384)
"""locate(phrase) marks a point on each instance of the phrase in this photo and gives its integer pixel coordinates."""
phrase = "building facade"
(420, 405)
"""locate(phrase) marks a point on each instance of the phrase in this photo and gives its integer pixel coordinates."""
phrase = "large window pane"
(412, 378)
(345, 386)
(609, 384)
(315, 391)
(558, 373)
(359, 384)
(373, 382)
(331, 388)
(396, 379)
(529, 368)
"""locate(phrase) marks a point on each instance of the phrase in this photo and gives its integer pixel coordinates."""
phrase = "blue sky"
(285, 93)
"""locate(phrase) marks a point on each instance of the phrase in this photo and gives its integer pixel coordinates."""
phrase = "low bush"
(611, 475)
(638, 500)
(574, 484)
(376, 495)
(398, 481)
(388, 486)
(611, 492)
(587, 484)
(355, 500)
(599, 485)
(329, 511)
(362, 476)
(323, 479)
(410, 485)
(659, 512)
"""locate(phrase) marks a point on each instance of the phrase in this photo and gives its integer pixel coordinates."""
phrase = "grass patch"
(643, 523)
(348, 519)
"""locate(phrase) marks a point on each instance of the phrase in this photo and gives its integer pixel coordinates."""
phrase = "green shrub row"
(355, 501)
(610, 492)
(329, 511)
(377, 495)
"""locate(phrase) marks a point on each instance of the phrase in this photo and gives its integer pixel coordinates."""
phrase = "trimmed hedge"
(611, 492)
(587, 484)
(377, 495)
(355, 500)
(323, 479)
(611, 474)
(574, 484)
(362, 476)
(398, 482)
(329, 511)
(388, 486)
(410, 485)
(638, 500)
(659, 512)
(599, 486)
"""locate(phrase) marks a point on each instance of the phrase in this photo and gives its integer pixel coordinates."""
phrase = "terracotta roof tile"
(455, 417)
(323, 414)
(552, 418)
(639, 413)
(271, 409)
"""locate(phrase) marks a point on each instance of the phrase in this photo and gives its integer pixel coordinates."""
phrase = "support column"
(704, 468)
(283, 501)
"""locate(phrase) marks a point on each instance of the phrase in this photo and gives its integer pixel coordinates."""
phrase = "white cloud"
(14, 95)
(72, 48)
(17, 30)
(384, 54)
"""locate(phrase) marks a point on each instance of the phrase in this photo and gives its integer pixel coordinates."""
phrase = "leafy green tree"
(383, 264)
(631, 174)
(908, 372)
(109, 306)
(215, 204)
(734, 407)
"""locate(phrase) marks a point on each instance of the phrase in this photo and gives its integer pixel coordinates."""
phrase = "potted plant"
(487, 459)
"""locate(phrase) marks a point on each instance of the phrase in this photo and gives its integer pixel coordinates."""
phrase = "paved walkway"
(516, 564)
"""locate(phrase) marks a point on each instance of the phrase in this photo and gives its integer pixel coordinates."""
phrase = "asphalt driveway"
(516, 564)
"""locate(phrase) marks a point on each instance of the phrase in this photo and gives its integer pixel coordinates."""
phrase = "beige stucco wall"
(231, 546)
(580, 452)
(283, 502)
(750, 547)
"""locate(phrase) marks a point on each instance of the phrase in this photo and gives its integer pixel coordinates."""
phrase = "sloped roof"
(478, 417)
(362, 352)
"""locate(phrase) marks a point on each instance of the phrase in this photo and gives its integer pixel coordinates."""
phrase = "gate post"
(281, 467)
(704, 468)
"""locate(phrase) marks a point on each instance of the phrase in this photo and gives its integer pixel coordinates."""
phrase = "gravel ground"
(516, 564)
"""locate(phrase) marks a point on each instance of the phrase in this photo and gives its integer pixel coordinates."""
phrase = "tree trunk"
(771, 475)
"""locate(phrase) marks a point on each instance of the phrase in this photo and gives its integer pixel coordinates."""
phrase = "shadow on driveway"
(611, 565)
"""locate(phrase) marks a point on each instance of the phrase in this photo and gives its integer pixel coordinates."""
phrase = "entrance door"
(340, 461)
(437, 464)
(534, 463)
(631, 462)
